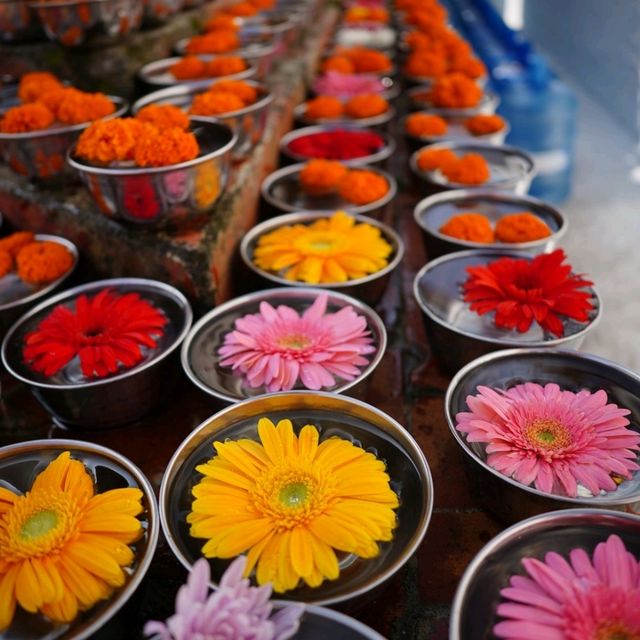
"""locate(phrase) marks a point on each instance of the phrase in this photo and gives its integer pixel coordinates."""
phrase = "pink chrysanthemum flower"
(276, 347)
(235, 611)
(579, 599)
(552, 438)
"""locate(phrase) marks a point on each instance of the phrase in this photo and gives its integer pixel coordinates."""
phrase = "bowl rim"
(508, 354)
(305, 217)
(153, 528)
(385, 151)
(489, 99)
(72, 248)
(459, 195)
(284, 172)
(505, 342)
(518, 530)
(308, 293)
(371, 121)
(252, 50)
(122, 105)
(81, 167)
(409, 443)
(96, 285)
(431, 177)
(337, 616)
(54, 4)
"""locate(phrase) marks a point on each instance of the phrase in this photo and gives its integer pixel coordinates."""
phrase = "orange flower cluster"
(242, 10)
(163, 148)
(434, 159)
(366, 105)
(108, 141)
(358, 186)
(72, 106)
(218, 41)
(454, 91)
(511, 228)
(358, 60)
(192, 67)
(246, 92)
(26, 117)
(164, 116)
(35, 84)
(425, 124)
(359, 13)
(482, 125)
(471, 168)
(323, 108)
(222, 22)
(470, 226)
(224, 97)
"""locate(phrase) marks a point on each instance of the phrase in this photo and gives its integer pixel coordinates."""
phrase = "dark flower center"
(93, 332)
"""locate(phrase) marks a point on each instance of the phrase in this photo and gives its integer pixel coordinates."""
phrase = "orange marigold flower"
(13, 243)
(221, 22)
(323, 108)
(241, 10)
(366, 14)
(26, 117)
(341, 64)
(426, 64)
(456, 46)
(366, 105)
(72, 106)
(164, 116)
(108, 141)
(434, 159)
(362, 186)
(425, 124)
(470, 226)
(218, 41)
(523, 226)
(212, 103)
(6, 263)
(468, 65)
(43, 262)
(33, 85)
(243, 90)
(225, 66)
(472, 168)
(455, 91)
(419, 15)
(161, 149)
(418, 41)
(188, 68)
(367, 60)
(319, 177)
(263, 4)
(484, 124)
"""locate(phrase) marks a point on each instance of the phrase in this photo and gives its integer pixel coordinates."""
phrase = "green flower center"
(294, 495)
(39, 524)
(547, 434)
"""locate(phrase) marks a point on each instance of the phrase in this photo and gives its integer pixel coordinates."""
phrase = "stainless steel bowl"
(282, 190)
(375, 121)
(488, 104)
(40, 155)
(157, 74)
(391, 89)
(18, 23)
(459, 335)
(199, 355)
(334, 415)
(473, 614)
(248, 124)
(280, 28)
(368, 289)
(162, 195)
(434, 211)
(511, 168)
(380, 156)
(16, 296)
(505, 497)
(74, 22)
(320, 623)
(121, 398)
(20, 463)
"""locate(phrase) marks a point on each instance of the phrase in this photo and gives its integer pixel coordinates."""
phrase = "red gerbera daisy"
(521, 291)
(106, 332)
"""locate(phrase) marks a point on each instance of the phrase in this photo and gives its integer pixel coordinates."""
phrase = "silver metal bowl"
(248, 124)
(40, 155)
(162, 195)
(19, 465)
(121, 398)
(199, 355)
(157, 74)
(282, 190)
(75, 22)
(505, 497)
(333, 415)
(473, 614)
(380, 156)
(488, 104)
(368, 289)
(459, 335)
(434, 211)
(16, 296)
(391, 89)
(18, 23)
(354, 36)
(320, 623)
(375, 121)
(511, 168)
(280, 28)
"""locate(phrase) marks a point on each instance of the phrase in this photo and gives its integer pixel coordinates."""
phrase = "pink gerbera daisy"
(578, 599)
(278, 346)
(552, 438)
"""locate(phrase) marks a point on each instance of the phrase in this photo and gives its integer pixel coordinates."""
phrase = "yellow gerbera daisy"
(291, 502)
(62, 547)
(334, 249)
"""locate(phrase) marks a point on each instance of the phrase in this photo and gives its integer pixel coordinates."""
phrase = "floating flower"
(43, 262)
(574, 598)
(109, 141)
(552, 438)
(107, 332)
(26, 117)
(13, 243)
(323, 108)
(455, 91)
(225, 66)
(214, 42)
(164, 148)
(277, 347)
(164, 116)
(337, 144)
(35, 84)
(366, 105)
(332, 249)
(211, 103)
(347, 85)
(234, 611)
(63, 547)
(471, 168)
(320, 177)
(522, 291)
(292, 502)
(362, 186)
(246, 92)
(425, 124)
(521, 227)
(470, 226)
(435, 159)
(484, 124)
(189, 68)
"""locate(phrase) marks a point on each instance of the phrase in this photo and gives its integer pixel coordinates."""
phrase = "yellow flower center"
(548, 434)
(615, 631)
(321, 243)
(294, 341)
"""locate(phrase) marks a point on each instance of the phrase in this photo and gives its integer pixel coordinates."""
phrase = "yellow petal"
(333, 533)
(270, 440)
(28, 592)
(97, 562)
(7, 499)
(269, 560)
(64, 610)
(300, 551)
(324, 558)
(125, 501)
(308, 443)
(255, 552)
(67, 475)
(8, 596)
(87, 588)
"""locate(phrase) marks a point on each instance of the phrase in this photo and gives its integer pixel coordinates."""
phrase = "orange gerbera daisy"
(33, 85)
(163, 148)
(323, 108)
(189, 68)
(472, 168)
(246, 92)
(319, 177)
(213, 103)
(62, 546)
(425, 124)
(218, 41)
(164, 116)
(291, 502)
(225, 66)
(26, 117)
(366, 105)
(361, 186)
